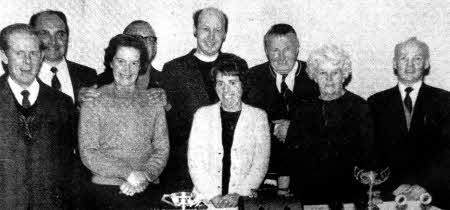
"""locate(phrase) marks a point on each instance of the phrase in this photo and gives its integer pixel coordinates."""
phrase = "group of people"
(206, 123)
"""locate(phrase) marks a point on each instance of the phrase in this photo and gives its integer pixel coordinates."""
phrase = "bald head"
(145, 31)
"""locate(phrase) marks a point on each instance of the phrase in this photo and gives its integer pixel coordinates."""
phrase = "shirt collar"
(206, 58)
(61, 66)
(33, 89)
(414, 93)
(290, 78)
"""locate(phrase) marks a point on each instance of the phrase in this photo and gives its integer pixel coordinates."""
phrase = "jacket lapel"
(419, 116)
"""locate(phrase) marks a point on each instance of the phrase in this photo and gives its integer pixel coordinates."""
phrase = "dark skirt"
(109, 197)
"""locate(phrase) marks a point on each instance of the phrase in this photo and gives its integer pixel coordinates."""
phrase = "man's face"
(210, 32)
(23, 58)
(229, 91)
(147, 34)
(282, 52)
(52, 33)
(410, 64)
(126, 65)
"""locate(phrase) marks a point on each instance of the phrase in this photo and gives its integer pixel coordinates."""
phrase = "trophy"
(180, 199)
(371, 178)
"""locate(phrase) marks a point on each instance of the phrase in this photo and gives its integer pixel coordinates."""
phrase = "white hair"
(329, 53)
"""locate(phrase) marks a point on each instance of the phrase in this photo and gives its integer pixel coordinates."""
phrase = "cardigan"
(121, 132)
(249, 153)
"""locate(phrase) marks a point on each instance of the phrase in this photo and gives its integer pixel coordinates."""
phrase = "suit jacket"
(412, 155)
(186, 92)
(81, 76)
(36, 171)
(262, 90)
(249, 153)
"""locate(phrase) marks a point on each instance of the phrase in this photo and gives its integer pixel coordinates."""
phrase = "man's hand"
(88, 93)
(158, 95)
(137, 178)
(281, 128)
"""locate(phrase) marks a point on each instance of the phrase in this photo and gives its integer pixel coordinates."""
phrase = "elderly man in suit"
(36, 129)
(189, 86)
(56, 71)
(412, 124)
(279, 84)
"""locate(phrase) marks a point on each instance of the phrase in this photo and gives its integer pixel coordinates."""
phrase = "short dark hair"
(280, 29)
(197, 13)
(17, 27)
(123, 40)
(61, 15)
(229, 65)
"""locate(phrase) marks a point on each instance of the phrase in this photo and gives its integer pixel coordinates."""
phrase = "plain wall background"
(367, 29)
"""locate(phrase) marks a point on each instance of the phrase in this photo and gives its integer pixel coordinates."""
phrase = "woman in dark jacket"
(329, 136)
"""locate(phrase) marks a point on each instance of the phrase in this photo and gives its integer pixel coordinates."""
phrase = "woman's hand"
(128, 189)
(226, 201)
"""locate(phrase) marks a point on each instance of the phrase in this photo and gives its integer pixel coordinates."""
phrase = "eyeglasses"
(153, 39)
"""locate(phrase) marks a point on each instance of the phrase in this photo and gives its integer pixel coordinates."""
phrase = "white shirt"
(290, 78)
(46, 76)
(1, 71)
(17, 91)
(206, 58)
(413, 94)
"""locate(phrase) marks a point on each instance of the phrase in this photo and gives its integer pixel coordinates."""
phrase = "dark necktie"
(55, 81)
(285, 92)
(25, 101)
(407, 100)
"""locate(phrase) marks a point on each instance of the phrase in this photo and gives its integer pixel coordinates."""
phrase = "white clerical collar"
(33, 89)
(206, 58)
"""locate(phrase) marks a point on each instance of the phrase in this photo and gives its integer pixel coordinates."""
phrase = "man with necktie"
(412, 125)
(56, 71)
(277, 86)
(36, 129)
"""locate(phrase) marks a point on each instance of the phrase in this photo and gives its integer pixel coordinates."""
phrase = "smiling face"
(210, 32)
(410, 64)
(23, 58)
(53, 35)
(126, 65)
(282, 52)
(330, 79)
(229, 91)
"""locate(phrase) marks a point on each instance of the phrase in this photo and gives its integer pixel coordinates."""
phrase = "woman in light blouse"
(229, 144)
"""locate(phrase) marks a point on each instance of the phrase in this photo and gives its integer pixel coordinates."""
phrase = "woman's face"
(229, 91)
(330, 79)
(125, 66)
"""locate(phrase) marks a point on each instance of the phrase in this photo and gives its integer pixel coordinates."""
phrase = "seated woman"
(229, 144)
(329, 135)
(123, 133)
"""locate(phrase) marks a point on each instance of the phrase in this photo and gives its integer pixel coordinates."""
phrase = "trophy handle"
(164, 199)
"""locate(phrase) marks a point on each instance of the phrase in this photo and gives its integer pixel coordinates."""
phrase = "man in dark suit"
(36, 129)
(56, 71)
(189, 86)
(412, 125)
(279, 84)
